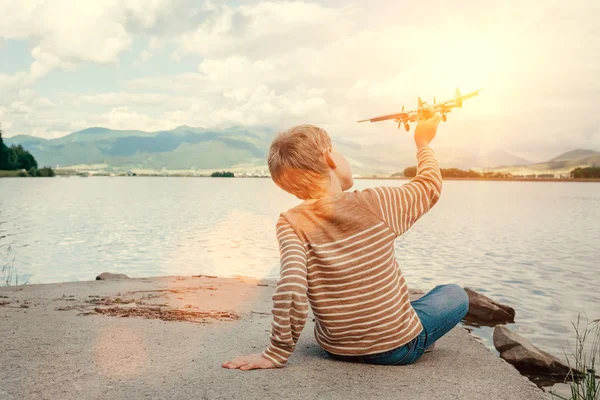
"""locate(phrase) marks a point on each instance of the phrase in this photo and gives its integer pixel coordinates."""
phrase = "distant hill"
(181, 148)
(572, 155)
(574, 159)
(498, 158)
(188, 148)
(561, 164)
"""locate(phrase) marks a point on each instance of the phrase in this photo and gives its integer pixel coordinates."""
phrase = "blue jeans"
(440, 310)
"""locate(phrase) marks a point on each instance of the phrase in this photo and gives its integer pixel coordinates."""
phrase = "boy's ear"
(329, 158)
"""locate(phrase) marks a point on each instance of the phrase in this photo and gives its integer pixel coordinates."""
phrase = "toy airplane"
(424, 110)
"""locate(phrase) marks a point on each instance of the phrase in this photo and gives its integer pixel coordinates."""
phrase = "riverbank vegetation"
(224, 174)
(411, 172)
(583, 379)
(586, 173)
(8, 272)
(577, 173)
(15, 161)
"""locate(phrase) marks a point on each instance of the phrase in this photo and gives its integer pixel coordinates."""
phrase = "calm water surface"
(532, 245)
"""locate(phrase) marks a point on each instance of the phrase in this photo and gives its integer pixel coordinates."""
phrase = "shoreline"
(498, 179)
(71, 340)
(588, 180)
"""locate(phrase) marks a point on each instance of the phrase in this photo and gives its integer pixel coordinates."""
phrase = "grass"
(9, 174)
(582, 378)
(9, 274)
(33, 172)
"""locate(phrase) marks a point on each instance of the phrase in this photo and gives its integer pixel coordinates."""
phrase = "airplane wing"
(469, 95)
(411, 116)
(401, 115)
(456, 102)
(443, 104)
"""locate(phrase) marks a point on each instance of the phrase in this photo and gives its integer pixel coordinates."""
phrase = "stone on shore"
(106, 276)
(523, 355)
(485, 311)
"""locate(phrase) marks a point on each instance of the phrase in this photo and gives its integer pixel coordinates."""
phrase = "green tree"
(7, 157)
(585, 173)
(24, 158)
(224, 174)
(15, 157)
(45, 172)
(459, 173)
(410, 172)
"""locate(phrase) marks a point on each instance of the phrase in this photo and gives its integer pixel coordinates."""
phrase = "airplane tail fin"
(420, 103)
(458, 99)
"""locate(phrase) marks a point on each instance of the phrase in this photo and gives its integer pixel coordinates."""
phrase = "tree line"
(577, 173)
(224, 174)
(411, 172)
(586, 173)
(15, 158)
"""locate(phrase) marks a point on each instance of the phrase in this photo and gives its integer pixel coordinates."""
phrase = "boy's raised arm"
(400, 207)
(290, 305)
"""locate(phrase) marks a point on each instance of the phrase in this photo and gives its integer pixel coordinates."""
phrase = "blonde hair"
(296, 160)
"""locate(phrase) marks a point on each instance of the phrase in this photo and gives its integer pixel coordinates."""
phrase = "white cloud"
(263, 29)
(123, 118)
(145, 55)
(66, 33)
(114, 99)
(281, 63)
(9, 83)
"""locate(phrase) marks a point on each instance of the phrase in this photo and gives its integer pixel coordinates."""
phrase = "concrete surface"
(77, 353)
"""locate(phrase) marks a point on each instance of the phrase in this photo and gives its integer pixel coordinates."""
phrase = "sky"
(158, 64)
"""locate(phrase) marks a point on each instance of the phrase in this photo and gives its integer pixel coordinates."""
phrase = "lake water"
(532, 245)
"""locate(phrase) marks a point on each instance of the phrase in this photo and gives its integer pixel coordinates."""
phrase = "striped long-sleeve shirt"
(337, 254)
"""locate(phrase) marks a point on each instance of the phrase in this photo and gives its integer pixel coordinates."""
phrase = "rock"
(105, 276)
(415, 294)
(521, 353)
(485, 311)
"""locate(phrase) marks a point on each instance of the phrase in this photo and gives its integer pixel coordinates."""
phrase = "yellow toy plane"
(424, 110)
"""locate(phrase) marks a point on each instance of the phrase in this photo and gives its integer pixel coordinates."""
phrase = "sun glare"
(473, 63)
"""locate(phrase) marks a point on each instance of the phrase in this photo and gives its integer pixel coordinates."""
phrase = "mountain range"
(240, 148)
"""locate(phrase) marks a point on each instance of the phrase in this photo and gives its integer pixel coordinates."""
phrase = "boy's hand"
(246, 363)
(426, 130)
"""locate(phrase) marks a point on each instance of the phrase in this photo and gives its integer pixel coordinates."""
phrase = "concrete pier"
(166, 337)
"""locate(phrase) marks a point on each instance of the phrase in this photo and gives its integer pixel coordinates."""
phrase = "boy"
(337, 254)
